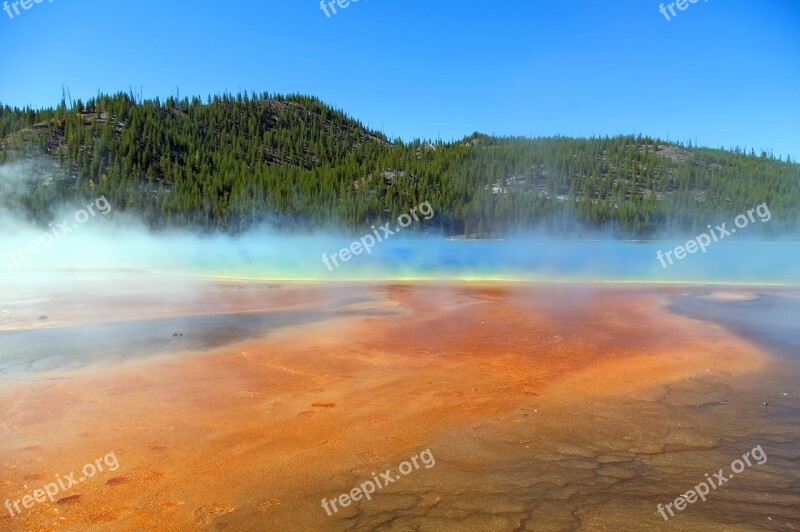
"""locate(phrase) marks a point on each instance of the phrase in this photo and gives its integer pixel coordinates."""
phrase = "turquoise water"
(269, 255)
(516, 259)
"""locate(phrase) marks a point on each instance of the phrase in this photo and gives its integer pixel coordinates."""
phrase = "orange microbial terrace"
(567, 407)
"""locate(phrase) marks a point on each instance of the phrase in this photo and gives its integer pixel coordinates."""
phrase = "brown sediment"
(545, 408)
(72, 499)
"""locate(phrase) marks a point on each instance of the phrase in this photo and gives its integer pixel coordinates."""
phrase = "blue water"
(516, 259)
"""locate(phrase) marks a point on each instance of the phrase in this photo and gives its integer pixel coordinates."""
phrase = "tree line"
(232, 162)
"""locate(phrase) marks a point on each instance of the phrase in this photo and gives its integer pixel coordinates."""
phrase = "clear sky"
(722, 72)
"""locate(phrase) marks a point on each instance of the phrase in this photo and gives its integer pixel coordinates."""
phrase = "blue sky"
(722, 72)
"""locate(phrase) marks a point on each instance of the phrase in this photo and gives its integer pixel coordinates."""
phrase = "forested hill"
(232, 162)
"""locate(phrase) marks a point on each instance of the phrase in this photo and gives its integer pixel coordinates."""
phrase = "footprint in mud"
(72, 500)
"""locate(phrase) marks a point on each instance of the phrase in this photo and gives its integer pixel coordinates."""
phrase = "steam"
(104, 238)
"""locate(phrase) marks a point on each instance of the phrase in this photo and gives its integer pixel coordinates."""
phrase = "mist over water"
(103, 243)
(111, 239)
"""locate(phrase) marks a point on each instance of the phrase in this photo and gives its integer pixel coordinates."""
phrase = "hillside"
(232, 162)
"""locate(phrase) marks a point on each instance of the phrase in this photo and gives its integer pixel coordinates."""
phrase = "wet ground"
(771, 320)
(545, 407)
